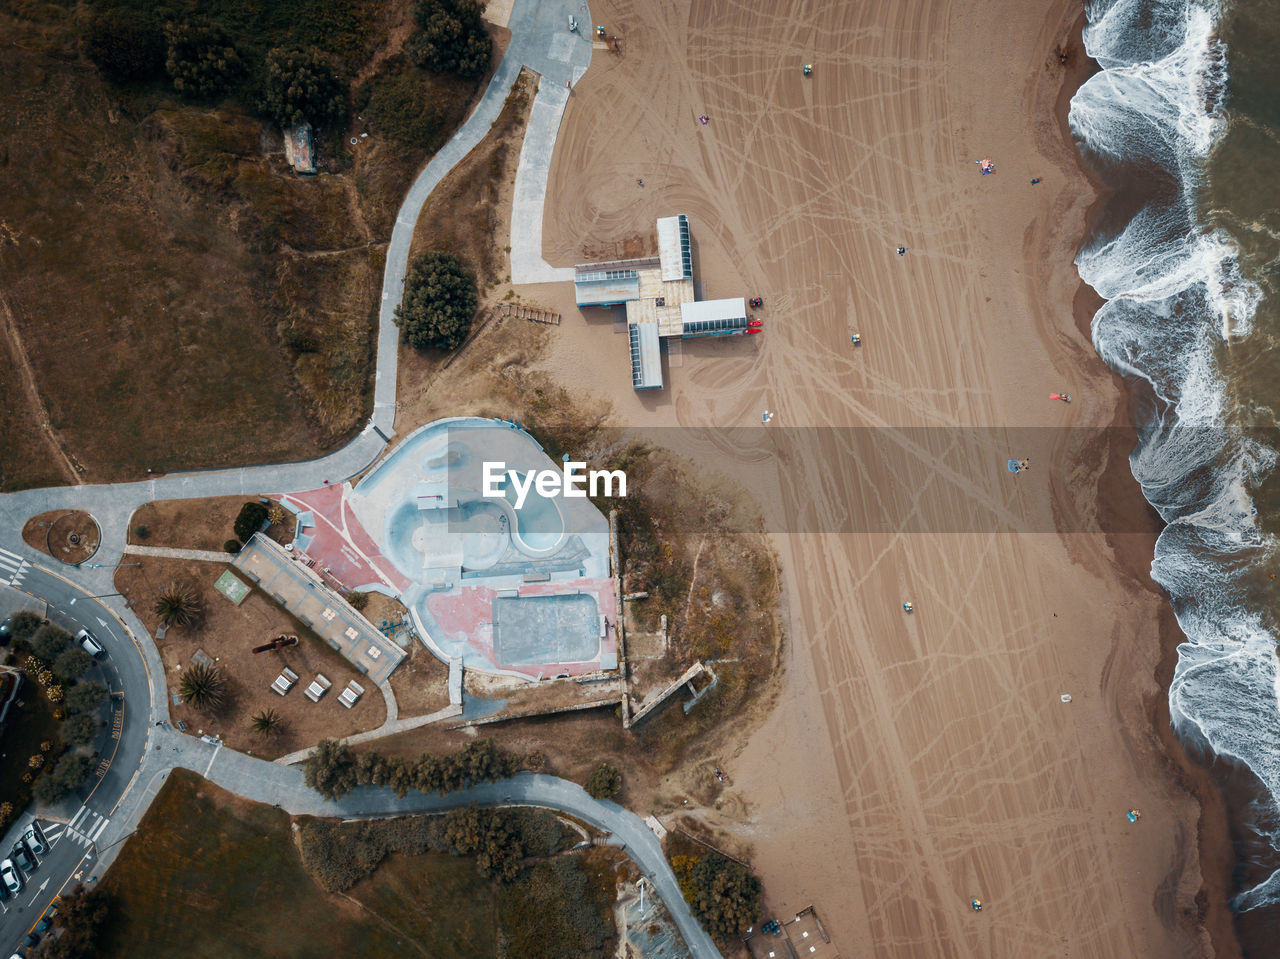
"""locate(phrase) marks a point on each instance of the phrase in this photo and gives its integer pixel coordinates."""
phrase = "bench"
(284, 682)
(319, 686)
(351, 694)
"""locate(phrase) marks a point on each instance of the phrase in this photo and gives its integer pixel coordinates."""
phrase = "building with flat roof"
(659, 297)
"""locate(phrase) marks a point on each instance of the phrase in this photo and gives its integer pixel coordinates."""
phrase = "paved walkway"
(201, 555)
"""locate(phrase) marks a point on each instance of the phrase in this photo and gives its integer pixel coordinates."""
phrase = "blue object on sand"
(1014, 467)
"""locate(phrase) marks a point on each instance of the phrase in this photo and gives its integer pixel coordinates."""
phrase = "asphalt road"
(74, 827)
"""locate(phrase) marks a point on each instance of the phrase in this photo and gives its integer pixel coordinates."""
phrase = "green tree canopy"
(203, 686)
(79, 729)
(453, 38)
(84, 697)
(723, 894)
(58, 782)
(125, 44)
(23, 625)
(302, 86)
(604, 782)
(440, 302)
(80, 916)
(200, 59)
(330, 769)
(493, 836)
(72, 664)
(249, 520)
(49, 641)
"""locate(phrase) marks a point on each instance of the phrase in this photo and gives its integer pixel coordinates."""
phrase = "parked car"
(46, 921)
(22, 856)
(6, 631)
(34, 838)
(89, 643)
(31, 940)
(10, 878)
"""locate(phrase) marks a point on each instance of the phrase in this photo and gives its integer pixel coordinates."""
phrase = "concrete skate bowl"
(473, 536)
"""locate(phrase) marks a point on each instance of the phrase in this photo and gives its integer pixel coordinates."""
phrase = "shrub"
(79, 730)
(330, 769)
(81, 914)
(179, 605)
(399, 105)
(71, 664)
(359, 601)
(302, 86)
(604, 782)
(85, 697)
(249, 520)
(453, 38)
(723, 894)
(23, 625)
(141, 532)
(49, 641)
(439, 302)
(57, 783)
(125, 44)
(200, 59)
(556, 912)
(231, 546)
(203, 686)
(491, 835)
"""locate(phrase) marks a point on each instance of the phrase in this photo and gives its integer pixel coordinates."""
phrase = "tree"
(203, 686)
(72, 664)
(79, 729)
(302, 86)
(453, 38)
(330, 769)
(249, 520)
(439, 302)
(58, 782)
(266, 723)
(231, 546)
(723, 894)
(81, 914)
(359, 601)
(23, 625)
(125, 44)
(200, 59)
(492, 835)
(84, 697)
(179, 605)
(604, 782)
(49, 641)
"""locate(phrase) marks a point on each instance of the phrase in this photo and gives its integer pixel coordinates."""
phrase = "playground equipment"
(280, 642)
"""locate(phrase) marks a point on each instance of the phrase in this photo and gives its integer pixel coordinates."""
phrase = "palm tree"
(202, 686)
(178, 605)
(266, 723)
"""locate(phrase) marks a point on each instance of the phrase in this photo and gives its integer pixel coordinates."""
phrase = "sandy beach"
(913, 761)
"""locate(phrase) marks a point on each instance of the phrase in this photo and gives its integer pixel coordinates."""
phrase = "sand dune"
(913, 761)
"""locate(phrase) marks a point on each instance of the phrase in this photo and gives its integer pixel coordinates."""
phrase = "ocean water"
(1183, 120)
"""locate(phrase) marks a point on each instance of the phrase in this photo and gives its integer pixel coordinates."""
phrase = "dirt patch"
(71, 536)
(228, 634)
(420, 682)
(197, 523)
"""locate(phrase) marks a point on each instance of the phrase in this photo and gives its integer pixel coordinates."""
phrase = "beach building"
(658, 294)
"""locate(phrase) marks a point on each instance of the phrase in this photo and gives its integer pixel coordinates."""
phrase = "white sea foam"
(1174, 291)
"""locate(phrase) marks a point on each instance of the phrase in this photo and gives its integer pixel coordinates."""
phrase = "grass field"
(212, 876)
(171, 295)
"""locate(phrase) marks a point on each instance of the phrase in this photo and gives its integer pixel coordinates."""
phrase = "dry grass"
(196, 523)
(228, 634)
(420, 682)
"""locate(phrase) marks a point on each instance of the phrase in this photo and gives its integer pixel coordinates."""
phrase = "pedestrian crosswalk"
(12, 567)
(84, 829)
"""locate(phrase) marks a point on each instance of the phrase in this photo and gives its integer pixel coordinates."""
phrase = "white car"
(10, 876)
(89, 643)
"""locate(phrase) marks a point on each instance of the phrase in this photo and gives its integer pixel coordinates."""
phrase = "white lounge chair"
(319, 686)
(351, 694)
(284, 682)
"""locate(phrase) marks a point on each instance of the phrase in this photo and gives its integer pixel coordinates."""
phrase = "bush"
(439, 302)
(250, 519)
(723, 894)
(85, 697)
(71, 664)
(330, 769)
(338, 855)
(81, 914)
(200, 59)
(141, 532)
(453, 38)
(69, 774)
(302, 86)
(399, 105)
(604, 782)
(203, 686)
(49, 642)
(125, 44)
(359, 601)
(23, 625)
(492, 835)
(79, 729)
(556, 912)
(231, 546)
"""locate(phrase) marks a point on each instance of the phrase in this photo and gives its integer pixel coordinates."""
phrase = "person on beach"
(902, 250)
(1035, 180)
(639, 182)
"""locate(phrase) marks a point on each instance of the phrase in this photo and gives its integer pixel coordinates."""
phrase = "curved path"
(541, 42)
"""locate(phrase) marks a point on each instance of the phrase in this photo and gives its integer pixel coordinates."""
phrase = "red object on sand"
(755, 323)
(1055, 396)
(755, 329)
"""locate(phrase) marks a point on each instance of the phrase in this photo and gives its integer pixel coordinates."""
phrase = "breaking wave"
(1174, 296)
